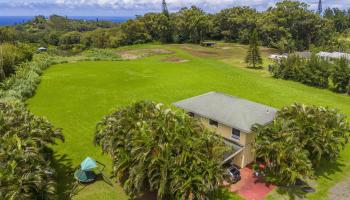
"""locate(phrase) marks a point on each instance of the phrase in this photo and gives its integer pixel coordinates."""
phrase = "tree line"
(288, 26)
(316, 72)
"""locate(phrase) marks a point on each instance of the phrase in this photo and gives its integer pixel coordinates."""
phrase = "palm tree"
(298, 139)
(163, 151)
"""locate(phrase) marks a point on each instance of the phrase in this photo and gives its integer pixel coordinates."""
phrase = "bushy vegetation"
(315, 72)
(23, 83)
(169, 153)
(298, 139)
(11, 56)
(26, 170)
(340, 76)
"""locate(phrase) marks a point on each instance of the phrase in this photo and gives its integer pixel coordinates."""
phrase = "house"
(231, 118)
(333, 55)
(277, 57)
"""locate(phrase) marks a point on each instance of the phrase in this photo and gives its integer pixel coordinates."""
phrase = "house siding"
(245, 157)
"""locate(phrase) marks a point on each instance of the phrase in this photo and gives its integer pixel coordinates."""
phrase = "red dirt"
(174, 59)
(250, 187)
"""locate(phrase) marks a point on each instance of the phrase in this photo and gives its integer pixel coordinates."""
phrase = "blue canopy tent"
(88, 164)
(86, 174)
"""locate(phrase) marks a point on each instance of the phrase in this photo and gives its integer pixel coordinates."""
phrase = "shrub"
(314, 71)
(23, 83)
(341, 75)
(11, 56)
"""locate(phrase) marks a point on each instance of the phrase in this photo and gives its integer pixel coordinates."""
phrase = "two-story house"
(232, 118)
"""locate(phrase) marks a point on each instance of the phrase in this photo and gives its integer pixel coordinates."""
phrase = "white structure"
(277, 57)
(41, 49)
(333, 55)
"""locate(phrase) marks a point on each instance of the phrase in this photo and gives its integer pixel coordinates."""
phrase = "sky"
(133, 7)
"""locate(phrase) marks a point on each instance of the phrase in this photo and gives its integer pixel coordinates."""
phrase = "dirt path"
(341, 191)
(141, 53)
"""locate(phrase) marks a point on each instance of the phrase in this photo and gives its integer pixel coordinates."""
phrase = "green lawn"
(76, 96)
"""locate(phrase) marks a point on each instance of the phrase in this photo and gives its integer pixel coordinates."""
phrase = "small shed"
(208, 44)
(42, 49)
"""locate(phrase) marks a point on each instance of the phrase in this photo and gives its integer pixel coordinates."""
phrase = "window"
(236, 134)
(213, 123)
(191, 114)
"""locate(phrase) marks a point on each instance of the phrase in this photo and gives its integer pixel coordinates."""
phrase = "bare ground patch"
(141, 53)
(341, 191)
(175, 60)
(222, 51)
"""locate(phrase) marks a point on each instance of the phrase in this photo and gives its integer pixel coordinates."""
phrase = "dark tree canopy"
(289, 26)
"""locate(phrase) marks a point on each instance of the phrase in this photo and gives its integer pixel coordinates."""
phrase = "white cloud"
(132, 7)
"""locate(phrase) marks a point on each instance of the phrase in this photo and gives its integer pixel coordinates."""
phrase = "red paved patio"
(250, 187)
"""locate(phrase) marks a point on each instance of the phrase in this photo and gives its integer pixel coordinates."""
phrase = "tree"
(26, 171)
(154, 148)
(286, 161)
(134, 32)
(191, 25)
(165, 10)
(158, 26)
(298, 139)
(232, 23)
(292, 20)
(253, 55)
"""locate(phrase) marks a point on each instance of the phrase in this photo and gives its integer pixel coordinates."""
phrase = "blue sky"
(131, 7)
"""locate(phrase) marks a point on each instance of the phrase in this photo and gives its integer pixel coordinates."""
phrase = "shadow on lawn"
(65, 176)
(325, 169)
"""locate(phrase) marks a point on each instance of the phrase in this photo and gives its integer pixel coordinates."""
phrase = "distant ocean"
(13, 20)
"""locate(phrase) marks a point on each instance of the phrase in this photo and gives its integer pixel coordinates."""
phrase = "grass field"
(76, 96)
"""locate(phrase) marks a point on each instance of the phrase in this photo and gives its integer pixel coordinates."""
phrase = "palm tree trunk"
(191, 196)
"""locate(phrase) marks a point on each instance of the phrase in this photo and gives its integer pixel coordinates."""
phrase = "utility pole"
(2, 71)
(320, 10)
(165, 8)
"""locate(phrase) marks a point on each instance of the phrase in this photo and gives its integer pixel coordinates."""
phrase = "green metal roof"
(229, 110)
